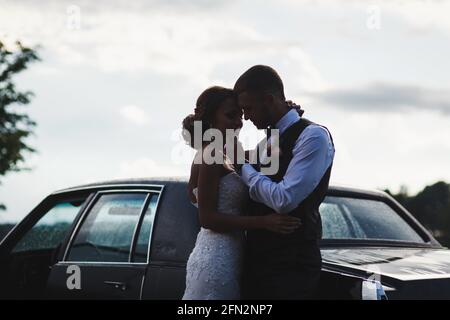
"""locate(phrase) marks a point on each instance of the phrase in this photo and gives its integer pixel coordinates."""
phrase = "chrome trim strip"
(127, 191)
(153, 225)
(343, 273)
(75, 231)
(388, 289)
(137, 185)
(102, 263)
(138, 226)
(141, 292)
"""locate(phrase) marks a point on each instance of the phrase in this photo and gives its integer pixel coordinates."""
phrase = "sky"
(117, 78)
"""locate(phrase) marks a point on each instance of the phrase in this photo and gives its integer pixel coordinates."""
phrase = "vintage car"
(130, 239)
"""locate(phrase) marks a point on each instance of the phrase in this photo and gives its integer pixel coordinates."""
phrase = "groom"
(284, 266)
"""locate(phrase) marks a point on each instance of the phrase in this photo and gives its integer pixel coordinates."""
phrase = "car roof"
(161, 181)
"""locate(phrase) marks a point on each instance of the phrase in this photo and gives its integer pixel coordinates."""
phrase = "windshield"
(363, 219)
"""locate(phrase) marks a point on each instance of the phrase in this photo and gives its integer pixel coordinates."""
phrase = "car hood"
(396, 263)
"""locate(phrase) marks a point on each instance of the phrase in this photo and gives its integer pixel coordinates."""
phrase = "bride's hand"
(281, 223)
(295, 106)
(191, 194)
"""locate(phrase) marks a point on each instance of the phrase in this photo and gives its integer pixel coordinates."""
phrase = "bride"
(214, 267)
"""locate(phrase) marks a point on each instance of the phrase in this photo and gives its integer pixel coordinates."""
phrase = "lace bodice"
(233, 194)
(214, 266)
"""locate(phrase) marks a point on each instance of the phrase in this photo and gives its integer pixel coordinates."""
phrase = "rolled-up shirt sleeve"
(313, 153)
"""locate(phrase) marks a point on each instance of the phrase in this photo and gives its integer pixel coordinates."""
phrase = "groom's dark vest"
(267, 249)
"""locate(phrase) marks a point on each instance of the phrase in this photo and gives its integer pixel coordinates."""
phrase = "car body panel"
(98, 281)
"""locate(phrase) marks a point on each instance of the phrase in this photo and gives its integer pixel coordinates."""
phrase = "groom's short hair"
(260, 79)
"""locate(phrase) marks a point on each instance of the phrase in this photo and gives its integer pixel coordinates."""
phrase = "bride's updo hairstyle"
(207, 104)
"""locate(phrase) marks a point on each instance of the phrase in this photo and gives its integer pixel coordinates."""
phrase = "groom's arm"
(312, 155)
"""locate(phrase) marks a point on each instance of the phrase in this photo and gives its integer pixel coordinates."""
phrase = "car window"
(350, 218)
(336, 224)
(51, 228)
(107, 232)
(141, 251)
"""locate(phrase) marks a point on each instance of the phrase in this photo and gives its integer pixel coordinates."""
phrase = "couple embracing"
(260, 229)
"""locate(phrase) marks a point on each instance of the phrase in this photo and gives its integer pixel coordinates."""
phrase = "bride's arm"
(208, 188)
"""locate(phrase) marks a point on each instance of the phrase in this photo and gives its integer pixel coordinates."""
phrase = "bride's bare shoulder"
(206, 158)
(198, 164)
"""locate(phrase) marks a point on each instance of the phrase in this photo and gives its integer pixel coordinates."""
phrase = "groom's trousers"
(289, 273)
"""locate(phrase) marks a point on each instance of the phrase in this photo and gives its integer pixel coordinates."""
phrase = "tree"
(15, 126)
(431, 207)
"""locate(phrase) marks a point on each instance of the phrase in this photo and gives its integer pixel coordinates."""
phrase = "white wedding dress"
(214, 267)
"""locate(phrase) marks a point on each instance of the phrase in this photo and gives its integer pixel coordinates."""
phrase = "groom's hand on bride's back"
(281, 223)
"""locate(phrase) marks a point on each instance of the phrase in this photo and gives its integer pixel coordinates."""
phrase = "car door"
(174, 235)
(29, 251)
(107, 256)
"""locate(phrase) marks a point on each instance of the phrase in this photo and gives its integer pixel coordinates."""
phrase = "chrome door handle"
(118, 285)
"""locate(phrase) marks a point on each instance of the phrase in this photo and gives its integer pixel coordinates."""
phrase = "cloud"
(134, 114)
(145, 167)
(387, 97)
(155, 38)
(422, 15)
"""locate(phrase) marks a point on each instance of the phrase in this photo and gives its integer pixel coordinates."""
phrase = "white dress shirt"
(313, 153)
